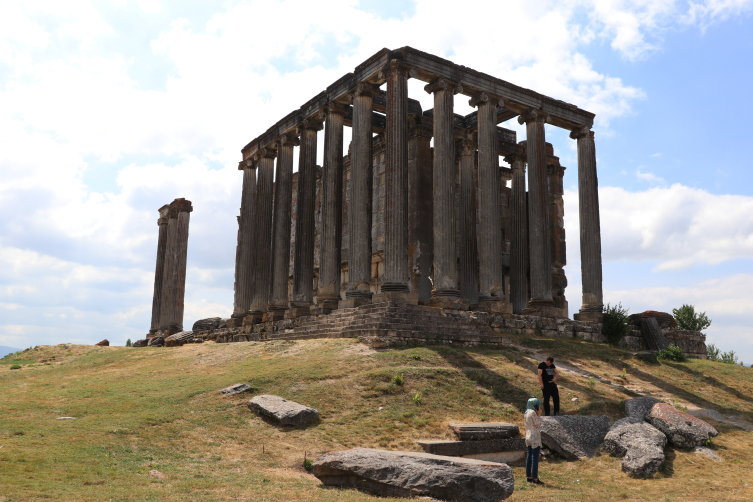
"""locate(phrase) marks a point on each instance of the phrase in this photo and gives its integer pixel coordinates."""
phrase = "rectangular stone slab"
(485, 430)
(462, 448)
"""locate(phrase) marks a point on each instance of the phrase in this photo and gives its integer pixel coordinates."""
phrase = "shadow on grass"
(711, 381)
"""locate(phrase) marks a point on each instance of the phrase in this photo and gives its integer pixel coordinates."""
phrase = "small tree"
(128, 343)
(713, 353)
(616, 323)
(688, 319)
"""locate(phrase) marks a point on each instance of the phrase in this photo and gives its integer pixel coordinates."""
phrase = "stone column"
(557, 249)
(396, 285)
(519, 234)
(359, 211)
(467, 224)
(244, 284)
(262, 260)
(174, 276)
(282, 225)
(303, 255)
(420, 207)
(590, 227)
(538, 228)
(489, 232)
(159, 269)
(445, 291)
(330, 262)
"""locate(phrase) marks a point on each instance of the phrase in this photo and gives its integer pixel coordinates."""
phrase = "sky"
(108, 110)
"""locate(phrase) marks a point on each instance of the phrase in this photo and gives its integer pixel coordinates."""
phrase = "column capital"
(180, 206)
(265, 153)
(466, 147)
(485, 98)
(581, 133)
(533, 115)
(517, 160)
(248, 163)
(314, 123)
(443, 84)
(555, 169)
(287, 139)
(419, 130)
(397, 67)
(364, 89)
(339, 108)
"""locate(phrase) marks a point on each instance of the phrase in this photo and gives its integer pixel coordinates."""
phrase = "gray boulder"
(409, 474)
(702, 450)
(238, 388)
(640, 444)
(480, 431)
(639, 407)
(141, 343)
(282, 410)
(681, 429)
(573, 436)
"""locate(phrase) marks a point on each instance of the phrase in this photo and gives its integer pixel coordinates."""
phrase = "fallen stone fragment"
(681, 429)
(206, 324)
(103, 343)
(66, 418)
(156, 474)
(409, 474)
(490, 430)
(639, 407)
(178, 339)
(235, 389)
(492, 450)
(702, 450)
(157, 341)
(141, 343)
(282, 410)
(574, 436)
(639, 443)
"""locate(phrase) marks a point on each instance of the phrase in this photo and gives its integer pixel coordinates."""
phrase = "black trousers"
(551, 390)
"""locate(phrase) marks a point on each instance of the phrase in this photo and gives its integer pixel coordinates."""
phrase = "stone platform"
(394, 324)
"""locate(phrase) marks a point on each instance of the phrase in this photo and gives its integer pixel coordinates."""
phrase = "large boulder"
(179, 339)
(682, 430)
(640, 444)
(141, 343)
(282, 410)
(156, 341)
(491, 430)
(103, 343)
(574, 436)
(639, 407)
(409, 474)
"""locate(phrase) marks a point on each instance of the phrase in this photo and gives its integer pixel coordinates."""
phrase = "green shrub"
(308, 465)
(128, 343)
(398, 379)
(672, 353)
(16, 367)
(728, 357)
(688, 319)
(417, 398)
(616, 323)
(713, 353)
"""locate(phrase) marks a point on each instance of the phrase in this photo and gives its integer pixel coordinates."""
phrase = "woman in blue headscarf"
(533, 440)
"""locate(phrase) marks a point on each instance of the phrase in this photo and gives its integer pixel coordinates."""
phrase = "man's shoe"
(529, 480)
(537, 482)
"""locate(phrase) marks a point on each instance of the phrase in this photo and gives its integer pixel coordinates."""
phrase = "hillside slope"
(136, 410)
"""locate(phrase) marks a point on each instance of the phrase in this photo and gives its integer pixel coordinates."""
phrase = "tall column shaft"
(181, 262)
(590, 227)
(359, 211)
(330, 262)
(174, 275)
(420, 208)
(396, 273)
(263, 233)
(445, 254)
(538, 202)
(557, 245)
(168, 285)
(467, 218)
(519, 235)
(282, 222)
(159, 268)
(303, 256)
(244, 283)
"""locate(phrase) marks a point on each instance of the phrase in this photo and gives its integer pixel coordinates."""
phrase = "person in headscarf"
(533, 440)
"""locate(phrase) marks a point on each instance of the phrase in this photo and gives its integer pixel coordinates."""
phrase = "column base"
(589, 316)
(544, 308)
(351, 303)
(274, 314)
(325, 305)
(295, 312)
(252, 318)
(396, 296)
(448, 303)
(495, 306)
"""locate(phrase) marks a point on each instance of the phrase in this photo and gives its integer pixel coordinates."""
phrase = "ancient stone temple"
(419, 212)
(170, 272)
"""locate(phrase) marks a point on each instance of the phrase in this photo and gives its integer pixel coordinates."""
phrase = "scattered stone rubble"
(235, 389)
(485, 430)
(574, 436)
(640, 407)
(692, 343)
(639, 443)
(681, 429)
(493, 442)
(281, 410)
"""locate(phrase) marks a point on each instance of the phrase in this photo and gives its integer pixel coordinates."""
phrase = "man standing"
(548, 376)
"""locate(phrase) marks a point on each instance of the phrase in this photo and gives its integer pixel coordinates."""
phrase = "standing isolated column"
(467, 219)
(330, 262)
(445, 291)
(557, 244)
(590, 227)
(174, 277)
(359, 210)
(519, 234)
(538, 228)
(244, 282)
(265, 159)
(159, 268)
(303, 256)
(282, 223)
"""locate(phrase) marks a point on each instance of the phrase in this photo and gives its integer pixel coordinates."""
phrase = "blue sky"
(108, 110)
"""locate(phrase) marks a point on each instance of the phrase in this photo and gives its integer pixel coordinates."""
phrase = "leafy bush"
(398, 379)
(688, 319)
(729, 357)
(713, 353)
(616, 323)
(16, 367)
(417, 398)
(308, 465)
(672, 353)
(128, 343)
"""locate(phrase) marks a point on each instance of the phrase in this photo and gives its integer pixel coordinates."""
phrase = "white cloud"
(648, 177)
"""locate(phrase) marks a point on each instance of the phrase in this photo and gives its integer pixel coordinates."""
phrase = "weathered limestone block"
(238, 388)
(157, 341)
(103, 343)
(574, 437)
(408, 474)
(179, 339)
(702, 450)
(682, 430)
(206, 324)
(141, 343)
(463, 448)
(482, 430)
(632, 342)
(640, 407)
(653, 334)
(640, 444)
(282, 410)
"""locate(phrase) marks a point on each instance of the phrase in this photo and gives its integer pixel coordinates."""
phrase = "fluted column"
(557, 245)
(159, 268)
(244, 283)
(590, 227)
(467, 220)
(519, 234)
(538, 201)
(265, 159)
(332, 208)
(174, 277)
(282, 226)
(303, 255)
(445, 254)
(359, 210)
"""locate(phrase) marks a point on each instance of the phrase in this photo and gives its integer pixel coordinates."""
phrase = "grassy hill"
(139, 409)
(7, 350)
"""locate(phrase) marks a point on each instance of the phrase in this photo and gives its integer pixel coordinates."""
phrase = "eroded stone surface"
(157, 341)
(639, 407)
(282, 410)
(141, 343)
(573, 436)
(409, 474)
(238, 388)
(681, 429)
(179, 339)
(104, 343)
(639, 443)
(482, 430)
(462, 448)
(702, 450)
